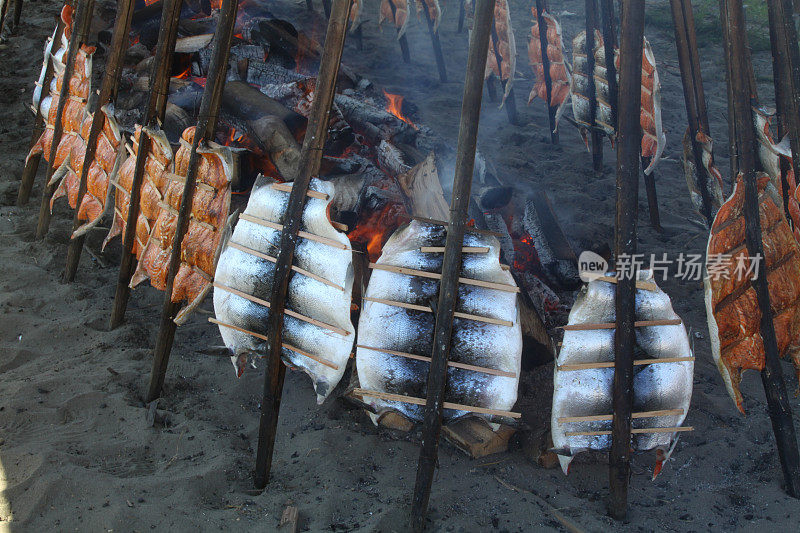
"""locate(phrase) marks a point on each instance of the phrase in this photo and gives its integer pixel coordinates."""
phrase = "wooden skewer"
(303, 234)
(464, 250)
(613, 325)
(436, 275)
(426, 309)
(271, 259)
(311, 193)
(339, 225)
(633, 431)
(644, 285)
(285, 345)
(288, 312)
(421, 401)
(454, 364)
(599, 418)
(610, 364)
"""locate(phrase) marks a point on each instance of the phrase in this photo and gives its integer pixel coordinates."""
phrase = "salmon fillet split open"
(559, 73)
(653, 138)
(731, 305)
(502, 58)
(398, 16)
(203, 239)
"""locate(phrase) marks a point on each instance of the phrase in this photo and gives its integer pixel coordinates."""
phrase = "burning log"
(553, 250)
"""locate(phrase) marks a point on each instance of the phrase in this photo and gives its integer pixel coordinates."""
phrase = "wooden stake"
(437, 46)
(32, 165)
(448, 288)
(786, 75)
(771, 376)
(462, 12)
(17, 12)
(310, 159)
(541, 8)
(510, 104)
(326, 5)
(108, 90)
(156, 107)
(206, 124)
(610, 40)
(403, 41)
(83, 11)
(652, 196)
(694, 97)
(3, 12)
(629, 138)
(596, 136)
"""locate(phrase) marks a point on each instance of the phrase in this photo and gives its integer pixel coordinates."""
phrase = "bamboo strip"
(421, 401)
(464, 250)
(168, 208)
(339, 225)
(599, 418)
(182, 179)
(286, 187)
(612, 325)
(436, 275)
(303, 234)
(288, 312)
(454, 364)
(610, 364)
(285, 345)
(467, 316)
(634, 431)
(271, 259)
(644, 285)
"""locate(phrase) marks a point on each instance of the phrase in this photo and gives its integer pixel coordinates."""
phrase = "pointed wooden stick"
(462, 12)
(82, 13)
(780, 411)
(437, 46)
(448, 288)
(156, 107)
(310, 160)
(541, 8)
(628, 152)
(206, 124)
(596, 136)
(652, 196)
(108, 90)
(610, 40)
(32, 164)
(403, 41)
(694, 97)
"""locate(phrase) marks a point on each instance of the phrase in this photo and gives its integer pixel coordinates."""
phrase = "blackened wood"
(726, 53)
(437, 46)
(629, 138)
(403, 41)
(541, 8)
(652, 196)
(311, 158)
(786, 74)
(82, 12)
(204, 131)
(156, 106)
(596, 136)
(491, 89)
(108, 88)
(451, 266)
(694, 97)
(771, 376)
(326, 5)
(781, 91)
(462, 12)
(32, 164)
(610, 39)
(17, 12)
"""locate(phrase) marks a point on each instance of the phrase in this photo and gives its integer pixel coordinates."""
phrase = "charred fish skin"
(588, 392)
(254, 276)
(388, 327)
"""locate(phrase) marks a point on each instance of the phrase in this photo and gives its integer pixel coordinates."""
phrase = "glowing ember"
(394, 105)
(377, 228)
(185, 74)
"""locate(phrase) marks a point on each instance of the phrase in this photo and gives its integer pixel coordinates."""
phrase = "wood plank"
(304, 234)
(436, 275)
(285, 345)
(598, 418)
(454, 364)
(421, 401)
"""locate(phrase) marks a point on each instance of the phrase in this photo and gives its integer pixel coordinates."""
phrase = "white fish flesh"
(253, 275)
(398, 329)
(587, 392)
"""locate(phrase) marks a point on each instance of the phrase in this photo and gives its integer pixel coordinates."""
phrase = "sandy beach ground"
(77, 454)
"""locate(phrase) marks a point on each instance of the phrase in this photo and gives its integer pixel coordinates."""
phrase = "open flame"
(374, 230)
(185, 74)
(394, 105)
